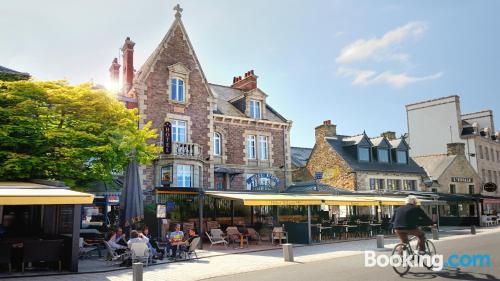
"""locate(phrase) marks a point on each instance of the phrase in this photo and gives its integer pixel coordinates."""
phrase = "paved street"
(319, 262)
(352, 267)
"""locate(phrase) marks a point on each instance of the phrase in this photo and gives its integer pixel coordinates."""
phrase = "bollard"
(472, 229)
(288, 252)
(137, 271)
(380, 241)
(435, 233)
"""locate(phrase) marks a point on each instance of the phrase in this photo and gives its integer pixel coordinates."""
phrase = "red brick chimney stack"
(128, 64)
(114, 72)
(247, 83)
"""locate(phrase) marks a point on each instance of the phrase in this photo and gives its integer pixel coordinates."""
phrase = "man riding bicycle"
(407, 219)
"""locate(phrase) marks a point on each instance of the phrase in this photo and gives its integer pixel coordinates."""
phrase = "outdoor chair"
(113, 256)
(338, 230)
(192, 248)
(6, 256)
(85, 251)
(42, 251)
(140, 253)
(216, 237)
(254, 235)
(315, 233)
(234, 235)
(279, 234)
(364, 229)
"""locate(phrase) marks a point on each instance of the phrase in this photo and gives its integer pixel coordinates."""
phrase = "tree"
(52, 130)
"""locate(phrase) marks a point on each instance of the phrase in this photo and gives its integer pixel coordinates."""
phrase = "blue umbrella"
(132, 201)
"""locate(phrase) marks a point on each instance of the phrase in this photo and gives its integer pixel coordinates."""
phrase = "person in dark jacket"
(407, 219)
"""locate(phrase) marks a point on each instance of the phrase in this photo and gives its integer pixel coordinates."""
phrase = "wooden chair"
(6, 256)
(234, 235)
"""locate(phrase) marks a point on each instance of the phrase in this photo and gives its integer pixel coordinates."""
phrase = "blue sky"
(354, 62)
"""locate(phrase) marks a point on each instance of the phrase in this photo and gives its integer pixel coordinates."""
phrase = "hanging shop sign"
(170, 206)
(166, 176)
(462, 179)
(167, 138)
(263, 181)
(490, 187)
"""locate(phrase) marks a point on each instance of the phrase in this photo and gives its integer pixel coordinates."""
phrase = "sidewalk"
(244, 262)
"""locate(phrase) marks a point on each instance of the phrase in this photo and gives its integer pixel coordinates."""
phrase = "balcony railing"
(186, 149)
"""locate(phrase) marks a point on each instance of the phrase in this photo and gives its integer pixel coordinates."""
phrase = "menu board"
(65, 222)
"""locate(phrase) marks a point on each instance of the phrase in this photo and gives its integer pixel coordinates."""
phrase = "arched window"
(177, 93)
(217, 144)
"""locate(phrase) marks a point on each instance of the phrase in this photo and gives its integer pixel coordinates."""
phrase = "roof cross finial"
(178, 10)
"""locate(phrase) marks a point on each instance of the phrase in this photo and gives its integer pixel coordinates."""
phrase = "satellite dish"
(428, 182)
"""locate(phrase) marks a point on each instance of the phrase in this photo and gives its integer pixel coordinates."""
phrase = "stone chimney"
(456, 148)
(389, 135)
(128, 64)
(249, 82)
(114, 72)
(325, 130)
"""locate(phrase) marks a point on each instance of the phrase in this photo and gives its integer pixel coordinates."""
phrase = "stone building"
(360, 163)
(213, 136)
(434, 123)
(300, 156)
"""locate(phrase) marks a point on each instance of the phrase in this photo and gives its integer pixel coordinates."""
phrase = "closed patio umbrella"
(132, 201)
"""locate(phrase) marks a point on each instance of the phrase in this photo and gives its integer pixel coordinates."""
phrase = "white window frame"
(184, 175)
(251, 149)
(255, 109)
(263, 148)
(217, 144)
(177, 88)
(177, 126)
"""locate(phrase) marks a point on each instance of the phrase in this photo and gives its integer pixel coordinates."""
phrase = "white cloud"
(378, 48)
(369, 77)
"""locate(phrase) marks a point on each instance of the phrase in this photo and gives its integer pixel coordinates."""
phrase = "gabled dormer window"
(402, 156)
(255, 109)
(383, 155)
(363, 154)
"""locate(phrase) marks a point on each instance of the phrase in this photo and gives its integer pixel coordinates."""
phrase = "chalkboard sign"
(65, 222)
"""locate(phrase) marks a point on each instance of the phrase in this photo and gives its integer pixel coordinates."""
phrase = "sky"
(356, 63)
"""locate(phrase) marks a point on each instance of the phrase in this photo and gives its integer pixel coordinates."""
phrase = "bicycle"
(402, 248)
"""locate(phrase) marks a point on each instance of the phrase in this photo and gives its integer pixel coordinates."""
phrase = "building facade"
(213, 136)
(360, 163)
(434, 123)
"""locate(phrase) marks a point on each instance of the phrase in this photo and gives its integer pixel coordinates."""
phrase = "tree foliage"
(52, 130)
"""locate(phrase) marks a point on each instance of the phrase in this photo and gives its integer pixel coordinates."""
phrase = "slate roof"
(350, 157)
(11, 71)
(436, 164)
(300, 156)
(305, 187)
(377, 141)
(350, 140)
(224, 94)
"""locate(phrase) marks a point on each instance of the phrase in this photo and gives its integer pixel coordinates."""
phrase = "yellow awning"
(387, 200)
(275, 199)
(35, 194)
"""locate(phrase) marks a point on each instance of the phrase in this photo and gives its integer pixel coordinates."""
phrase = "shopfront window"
(184, 176)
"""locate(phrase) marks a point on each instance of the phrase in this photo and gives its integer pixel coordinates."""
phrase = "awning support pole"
(232, 212)
(309, 224)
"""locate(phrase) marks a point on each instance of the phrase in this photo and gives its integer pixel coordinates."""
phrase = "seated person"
(152, 244)
(118, 248)
(186, 243)
(175, 239)
(120, 237)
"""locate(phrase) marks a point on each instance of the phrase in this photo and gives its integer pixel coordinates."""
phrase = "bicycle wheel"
(399, 250)
(430, 250)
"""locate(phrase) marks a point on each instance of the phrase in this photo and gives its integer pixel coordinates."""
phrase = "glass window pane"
(181, 91)
(364, 154)
(174, 89)
(401, 157)
(383, 155)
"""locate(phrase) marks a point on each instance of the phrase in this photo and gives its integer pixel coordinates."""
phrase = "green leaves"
(73, 133)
